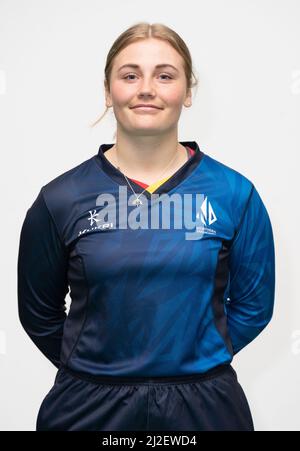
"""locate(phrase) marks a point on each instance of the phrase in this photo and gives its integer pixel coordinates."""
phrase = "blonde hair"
(144, 30)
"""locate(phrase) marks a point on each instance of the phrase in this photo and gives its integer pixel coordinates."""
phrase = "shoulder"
(66, 183)
(232, 187)
(229, 177)
(62, 194)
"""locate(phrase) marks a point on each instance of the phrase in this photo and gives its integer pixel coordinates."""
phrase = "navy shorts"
(211, 401)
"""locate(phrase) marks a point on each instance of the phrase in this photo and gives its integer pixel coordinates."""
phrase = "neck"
(147, 156)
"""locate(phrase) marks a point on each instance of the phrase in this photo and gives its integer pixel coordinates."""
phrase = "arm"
(252, 275)
(42, 280)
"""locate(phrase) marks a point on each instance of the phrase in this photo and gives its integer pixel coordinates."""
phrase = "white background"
(245, 113)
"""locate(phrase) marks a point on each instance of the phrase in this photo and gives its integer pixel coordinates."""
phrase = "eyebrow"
(136, 66)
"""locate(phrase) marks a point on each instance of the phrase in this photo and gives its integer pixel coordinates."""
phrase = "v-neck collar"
(182, 173)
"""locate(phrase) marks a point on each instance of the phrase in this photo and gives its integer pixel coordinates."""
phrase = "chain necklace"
(137, 201)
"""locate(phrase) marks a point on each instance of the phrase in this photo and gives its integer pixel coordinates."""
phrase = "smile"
(145, 109)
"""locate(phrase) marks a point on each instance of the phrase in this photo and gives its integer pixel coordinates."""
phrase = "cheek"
(171, 95)
(121, 92)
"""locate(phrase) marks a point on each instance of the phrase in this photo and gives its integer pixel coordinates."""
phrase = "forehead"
(148, 53)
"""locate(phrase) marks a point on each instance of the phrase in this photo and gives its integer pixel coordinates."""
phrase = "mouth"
(145, 106)
(146, 109)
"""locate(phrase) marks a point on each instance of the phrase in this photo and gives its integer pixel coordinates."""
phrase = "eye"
(129, 75)
(165, 75)
(133, 75)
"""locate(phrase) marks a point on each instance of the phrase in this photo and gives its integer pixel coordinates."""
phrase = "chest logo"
(206, 214)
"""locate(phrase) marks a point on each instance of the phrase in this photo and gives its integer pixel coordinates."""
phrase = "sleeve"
(252, 274)
(42, 280)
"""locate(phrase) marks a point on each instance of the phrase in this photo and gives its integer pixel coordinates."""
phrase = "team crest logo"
(206, 214)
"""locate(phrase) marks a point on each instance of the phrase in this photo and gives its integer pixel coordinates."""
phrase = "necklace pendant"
(137, 202)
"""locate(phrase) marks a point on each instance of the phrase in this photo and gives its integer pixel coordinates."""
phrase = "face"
(164, 87)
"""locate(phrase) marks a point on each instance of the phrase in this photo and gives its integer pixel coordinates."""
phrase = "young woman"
(157, 311)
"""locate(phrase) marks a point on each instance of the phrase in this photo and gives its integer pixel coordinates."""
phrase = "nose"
(146, 89)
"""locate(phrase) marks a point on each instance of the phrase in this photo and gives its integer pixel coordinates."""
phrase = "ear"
(188, 98)
(108, 100)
